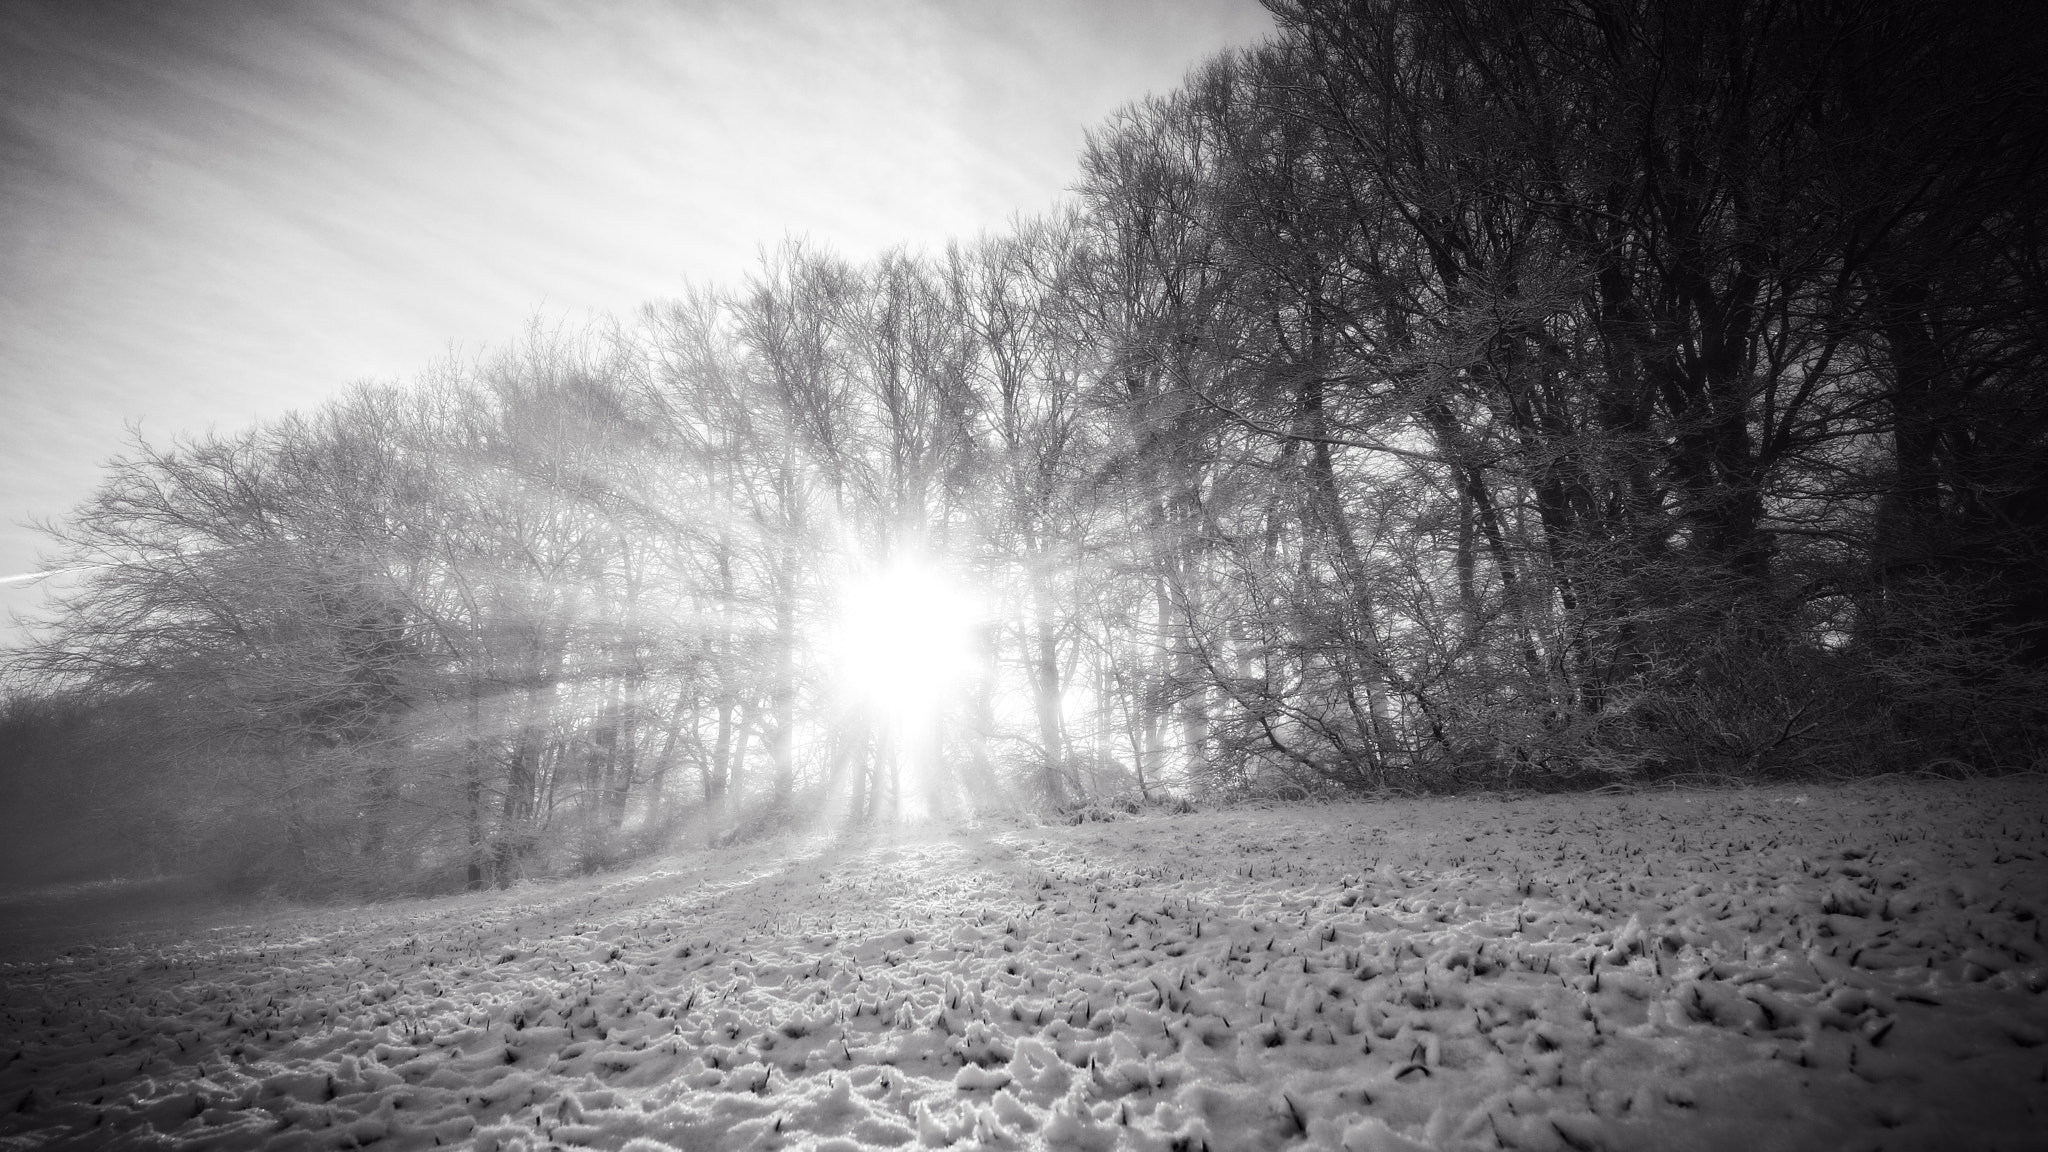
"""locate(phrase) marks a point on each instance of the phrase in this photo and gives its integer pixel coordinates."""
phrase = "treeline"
(1441, 395)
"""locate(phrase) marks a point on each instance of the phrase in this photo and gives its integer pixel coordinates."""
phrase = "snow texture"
(1757, 969)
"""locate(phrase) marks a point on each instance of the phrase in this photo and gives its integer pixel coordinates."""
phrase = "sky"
(213, 212)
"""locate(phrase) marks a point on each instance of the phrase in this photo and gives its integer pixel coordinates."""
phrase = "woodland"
(1440, 397)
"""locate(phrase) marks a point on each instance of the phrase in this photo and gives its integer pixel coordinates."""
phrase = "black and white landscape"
(1479, 580)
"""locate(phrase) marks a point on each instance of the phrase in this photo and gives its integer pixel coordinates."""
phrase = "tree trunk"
(1045, 684)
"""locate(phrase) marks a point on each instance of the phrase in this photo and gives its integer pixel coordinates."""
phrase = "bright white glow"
(904, 641)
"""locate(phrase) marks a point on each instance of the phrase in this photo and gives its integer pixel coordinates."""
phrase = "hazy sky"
(214, 211)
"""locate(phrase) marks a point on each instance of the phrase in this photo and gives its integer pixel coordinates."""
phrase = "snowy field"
(1859, 968)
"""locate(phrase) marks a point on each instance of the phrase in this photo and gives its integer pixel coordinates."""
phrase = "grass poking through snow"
(1757, 969)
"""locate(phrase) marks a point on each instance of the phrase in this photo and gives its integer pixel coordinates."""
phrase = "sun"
(903, 640)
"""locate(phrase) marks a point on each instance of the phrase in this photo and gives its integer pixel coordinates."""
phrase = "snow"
(1764, 968)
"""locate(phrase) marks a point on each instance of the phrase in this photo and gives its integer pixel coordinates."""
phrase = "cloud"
(213, 212)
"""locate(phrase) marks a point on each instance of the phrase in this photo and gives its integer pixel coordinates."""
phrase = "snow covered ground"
(1855, 968)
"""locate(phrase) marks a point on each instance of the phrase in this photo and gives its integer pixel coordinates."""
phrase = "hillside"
(1762, 968)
